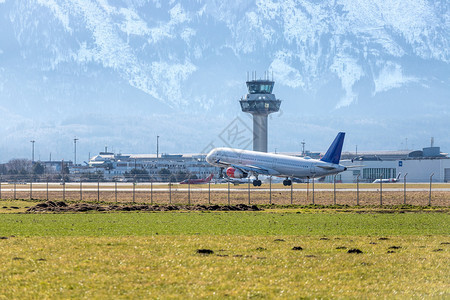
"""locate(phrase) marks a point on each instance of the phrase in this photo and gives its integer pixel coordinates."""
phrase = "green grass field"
(154, 255)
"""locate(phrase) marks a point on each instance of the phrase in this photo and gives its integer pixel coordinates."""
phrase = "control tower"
(260, 102)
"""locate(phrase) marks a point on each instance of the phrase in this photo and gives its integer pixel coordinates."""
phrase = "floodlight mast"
(32, 150)
(75, 151)
(260, 102)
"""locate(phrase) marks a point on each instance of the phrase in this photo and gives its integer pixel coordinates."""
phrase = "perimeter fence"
(143, 189)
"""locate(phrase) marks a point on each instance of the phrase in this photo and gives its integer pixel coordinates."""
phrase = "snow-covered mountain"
(121, 72)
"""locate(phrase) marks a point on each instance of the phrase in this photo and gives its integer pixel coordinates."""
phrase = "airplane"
(387, 180)
(265, 179)
(244, 163)
(236, 181)
(198, 181)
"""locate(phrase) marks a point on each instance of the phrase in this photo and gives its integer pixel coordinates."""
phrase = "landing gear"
(256, 182)
(287, 182)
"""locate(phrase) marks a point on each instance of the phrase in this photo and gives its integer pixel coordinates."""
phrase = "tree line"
(21, 166)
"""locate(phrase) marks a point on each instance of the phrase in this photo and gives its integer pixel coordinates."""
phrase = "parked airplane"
(236, 181)
(263, 178)
(243, 163)
(198, 181)
(387, 180)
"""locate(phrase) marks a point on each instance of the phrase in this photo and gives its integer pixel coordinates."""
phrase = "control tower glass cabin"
(260, 102)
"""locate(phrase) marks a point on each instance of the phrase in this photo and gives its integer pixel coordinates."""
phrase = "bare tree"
(19, 166)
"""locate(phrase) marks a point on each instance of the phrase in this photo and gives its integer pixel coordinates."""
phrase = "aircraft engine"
(235, 173)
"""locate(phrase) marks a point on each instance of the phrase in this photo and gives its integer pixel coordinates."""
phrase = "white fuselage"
(390, 180)
(275, 164)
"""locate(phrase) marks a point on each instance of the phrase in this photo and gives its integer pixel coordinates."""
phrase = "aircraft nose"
(209, 157)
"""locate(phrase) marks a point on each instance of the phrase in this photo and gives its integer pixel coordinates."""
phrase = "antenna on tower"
(247, 75)
(432, 141)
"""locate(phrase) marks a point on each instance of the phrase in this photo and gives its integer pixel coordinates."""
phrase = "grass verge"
(154, 255)
(223, 223)
(239, 267)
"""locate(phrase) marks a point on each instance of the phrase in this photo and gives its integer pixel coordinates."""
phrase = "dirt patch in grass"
(355, 250)
(61, 206)
(395, 247)
(205, 251)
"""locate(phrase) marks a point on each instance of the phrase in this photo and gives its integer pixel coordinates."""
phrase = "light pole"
(32, 150)
(75, 151)
(157, 146)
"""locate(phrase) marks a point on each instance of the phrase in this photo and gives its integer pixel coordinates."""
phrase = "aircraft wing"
(256, 169)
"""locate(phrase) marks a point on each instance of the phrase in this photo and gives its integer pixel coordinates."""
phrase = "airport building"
(117, 166)
(365, 166)
(260, 102)
(417, 165)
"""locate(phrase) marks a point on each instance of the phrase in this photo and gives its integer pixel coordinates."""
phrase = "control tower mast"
(260, 102)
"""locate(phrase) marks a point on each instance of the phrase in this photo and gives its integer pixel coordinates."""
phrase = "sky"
(117, 74)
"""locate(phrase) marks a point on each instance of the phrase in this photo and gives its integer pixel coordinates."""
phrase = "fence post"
(15, 190)
(98, 189)
(47, 188)
(115, 191)
(357, 189)
(313, 191)
(270, 190)
(170, 192)
(229, 193)
(248, 184)
(381, 189)
(404, 188)
(429, 197)
(189, 191)
(31, 187)
(151, 191)
(334, 189)
(134, 188)
(209, 192)
(307, 190)
(64, 189)
(292, 185)
(81, 189)
(0, 187)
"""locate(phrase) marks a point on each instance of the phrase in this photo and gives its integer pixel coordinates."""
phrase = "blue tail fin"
(333, 154)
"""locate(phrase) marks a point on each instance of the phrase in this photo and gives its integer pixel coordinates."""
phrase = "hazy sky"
(119, 73)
